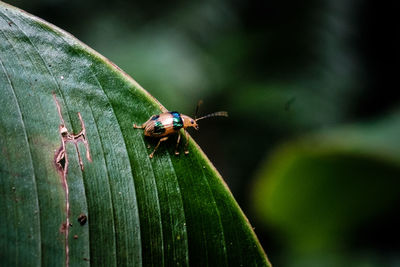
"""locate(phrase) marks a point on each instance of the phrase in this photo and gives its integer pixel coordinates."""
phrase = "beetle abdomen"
(159, 127)
(163, 124)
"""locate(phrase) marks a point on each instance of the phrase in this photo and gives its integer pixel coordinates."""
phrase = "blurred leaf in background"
(334, 195)
(283, 70)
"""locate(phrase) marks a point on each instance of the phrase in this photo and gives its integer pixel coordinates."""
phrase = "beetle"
(168, 123)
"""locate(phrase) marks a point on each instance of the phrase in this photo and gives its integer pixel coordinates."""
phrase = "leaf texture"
(165, 211)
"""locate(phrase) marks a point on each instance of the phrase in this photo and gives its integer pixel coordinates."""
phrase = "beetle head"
(189, 122)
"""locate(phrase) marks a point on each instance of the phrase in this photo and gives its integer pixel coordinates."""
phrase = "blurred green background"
(311, 149)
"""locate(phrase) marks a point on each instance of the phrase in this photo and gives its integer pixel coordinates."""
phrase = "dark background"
(284, 70)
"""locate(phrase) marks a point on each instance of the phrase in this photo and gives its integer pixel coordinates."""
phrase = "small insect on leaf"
(164, 125)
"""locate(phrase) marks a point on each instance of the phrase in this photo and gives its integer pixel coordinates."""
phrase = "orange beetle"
(168, 123)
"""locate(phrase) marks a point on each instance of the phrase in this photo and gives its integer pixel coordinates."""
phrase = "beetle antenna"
(215, 114)
(197, 108)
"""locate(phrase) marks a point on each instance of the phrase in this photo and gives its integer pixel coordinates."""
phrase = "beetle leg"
(158, 144)
(177, 143)
(139, 126)
(187, 143)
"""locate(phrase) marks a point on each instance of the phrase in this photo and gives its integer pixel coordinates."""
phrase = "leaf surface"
(169, 210)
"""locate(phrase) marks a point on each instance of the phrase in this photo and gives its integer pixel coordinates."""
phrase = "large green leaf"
(169, 210)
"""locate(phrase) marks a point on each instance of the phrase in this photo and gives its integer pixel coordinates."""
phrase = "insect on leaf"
(77, 186)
